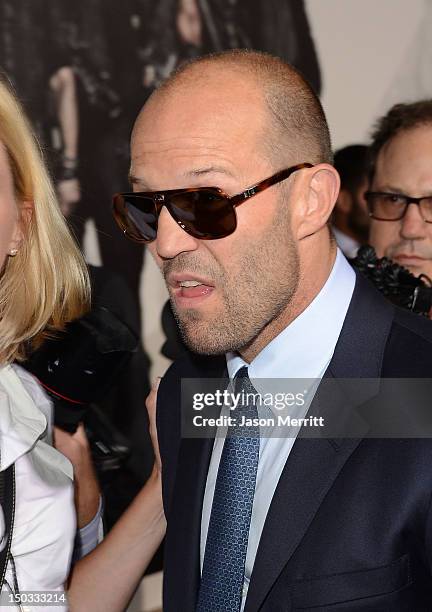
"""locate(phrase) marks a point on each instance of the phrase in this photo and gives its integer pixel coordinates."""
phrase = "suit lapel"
(182, 550)
(309, 473)
(314, 464)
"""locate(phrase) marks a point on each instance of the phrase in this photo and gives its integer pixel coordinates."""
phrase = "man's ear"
(318, 199)
(23, 223)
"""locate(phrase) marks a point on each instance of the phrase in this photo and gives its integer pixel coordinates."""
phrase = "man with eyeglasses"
(400, 193)
(233, 189)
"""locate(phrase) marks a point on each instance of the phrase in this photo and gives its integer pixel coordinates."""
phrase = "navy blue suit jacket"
(350, 524)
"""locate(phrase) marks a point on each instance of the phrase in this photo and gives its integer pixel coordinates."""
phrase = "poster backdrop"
(83, 69)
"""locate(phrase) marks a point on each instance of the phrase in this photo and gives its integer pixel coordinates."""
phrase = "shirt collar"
(305, 347)
(21, 423)
(347, 245)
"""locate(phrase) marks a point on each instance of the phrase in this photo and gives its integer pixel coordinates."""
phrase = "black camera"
(77, 368)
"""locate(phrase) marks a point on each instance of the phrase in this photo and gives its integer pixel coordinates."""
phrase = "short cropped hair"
(298, 126)
(399, 118)
(46, 284)
(352, 164)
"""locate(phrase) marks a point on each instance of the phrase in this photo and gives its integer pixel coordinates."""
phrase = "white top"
(45, 521)
(302, 350)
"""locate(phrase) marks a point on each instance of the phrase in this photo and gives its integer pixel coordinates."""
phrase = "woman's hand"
(105, 579)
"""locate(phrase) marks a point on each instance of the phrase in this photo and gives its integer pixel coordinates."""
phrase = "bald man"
(233, 189)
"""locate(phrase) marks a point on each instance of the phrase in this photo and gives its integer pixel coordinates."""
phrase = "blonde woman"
(43, 285)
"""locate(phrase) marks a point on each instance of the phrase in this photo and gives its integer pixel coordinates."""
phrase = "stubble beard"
(251, 296)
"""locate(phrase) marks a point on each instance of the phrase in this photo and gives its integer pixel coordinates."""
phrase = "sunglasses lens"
(203, 213)
(136, 215)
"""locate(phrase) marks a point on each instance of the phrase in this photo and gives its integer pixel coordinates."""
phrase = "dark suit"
(349, 526)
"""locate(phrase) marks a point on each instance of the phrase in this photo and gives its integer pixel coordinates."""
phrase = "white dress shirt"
(45, 521)
(347, 245)
(302, 350)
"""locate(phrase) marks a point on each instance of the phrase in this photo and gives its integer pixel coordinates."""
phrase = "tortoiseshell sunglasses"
(206, 213)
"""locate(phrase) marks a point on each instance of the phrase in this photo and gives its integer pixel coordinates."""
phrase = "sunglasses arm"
(266, 183)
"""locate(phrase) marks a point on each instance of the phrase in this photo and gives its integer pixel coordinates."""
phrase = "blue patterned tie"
(228, 531)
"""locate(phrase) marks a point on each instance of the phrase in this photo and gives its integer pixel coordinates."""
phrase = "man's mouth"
(189, 291)
(407, 259)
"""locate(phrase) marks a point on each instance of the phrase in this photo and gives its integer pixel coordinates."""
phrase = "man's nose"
(171, 239)
(412, 224)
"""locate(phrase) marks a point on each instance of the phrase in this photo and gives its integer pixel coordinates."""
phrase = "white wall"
(361, 46)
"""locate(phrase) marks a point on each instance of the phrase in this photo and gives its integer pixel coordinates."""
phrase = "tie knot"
(242, 373)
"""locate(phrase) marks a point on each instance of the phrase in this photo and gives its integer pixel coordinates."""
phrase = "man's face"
(404, 166)
(224, 292)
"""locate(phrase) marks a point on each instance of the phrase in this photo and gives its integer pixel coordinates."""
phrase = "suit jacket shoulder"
(408, 351)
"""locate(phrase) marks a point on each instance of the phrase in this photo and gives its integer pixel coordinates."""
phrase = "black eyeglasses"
(385, 206)
(206, 213)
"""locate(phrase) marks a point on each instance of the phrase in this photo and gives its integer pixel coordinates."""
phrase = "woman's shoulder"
(37, 393)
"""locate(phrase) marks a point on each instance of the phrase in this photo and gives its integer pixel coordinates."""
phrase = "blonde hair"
(46, 284)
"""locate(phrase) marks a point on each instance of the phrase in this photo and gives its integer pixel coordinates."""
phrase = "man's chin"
(422, 271)
(203, 345)
(200, 338)
(209, 339)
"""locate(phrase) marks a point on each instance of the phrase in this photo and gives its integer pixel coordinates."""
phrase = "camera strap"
(7, 504)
